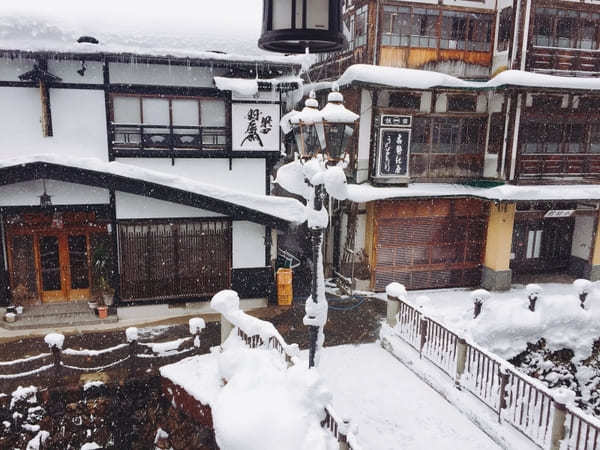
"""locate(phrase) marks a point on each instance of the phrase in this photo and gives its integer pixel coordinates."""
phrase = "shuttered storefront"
(428, 244)
(181, 259)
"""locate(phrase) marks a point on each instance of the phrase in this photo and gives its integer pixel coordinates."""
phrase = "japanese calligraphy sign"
(255, 126)
(393, 147)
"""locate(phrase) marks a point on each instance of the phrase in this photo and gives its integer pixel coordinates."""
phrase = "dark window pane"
(50, 263)
(459, 103)
(404, 100)
(78, 259)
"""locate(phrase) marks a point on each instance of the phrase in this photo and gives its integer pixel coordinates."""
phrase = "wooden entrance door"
(63, 264)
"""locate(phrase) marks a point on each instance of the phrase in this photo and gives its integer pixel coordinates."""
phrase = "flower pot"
(92, 305)
(10, 317)
(19, 310)
(102, 312)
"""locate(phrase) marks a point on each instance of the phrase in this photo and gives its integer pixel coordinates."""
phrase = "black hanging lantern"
(338, 126)
(292, 26)
(307, 126)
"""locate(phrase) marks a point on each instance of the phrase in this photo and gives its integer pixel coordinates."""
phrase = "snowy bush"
(225, 301)
(197, 324)
(534, 292)
(583, 288)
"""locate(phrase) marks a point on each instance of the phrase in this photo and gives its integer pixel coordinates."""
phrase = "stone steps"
(56, 315)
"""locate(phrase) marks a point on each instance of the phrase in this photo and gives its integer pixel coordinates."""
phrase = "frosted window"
(317, 14)
(299, 15)
(282, 14)
(156, 111)
(530, 239)
(538, 243)
(126, 109)
(213, 113)
(185, 112)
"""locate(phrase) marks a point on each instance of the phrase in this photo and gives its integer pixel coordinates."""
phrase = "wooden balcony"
(131, 139)
(551, 59)
(559, 165)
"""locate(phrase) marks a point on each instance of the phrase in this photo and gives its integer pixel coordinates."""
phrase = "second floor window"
(145, 123)
(505, 29)
(406, 26)
(564, 28)
(357, 28)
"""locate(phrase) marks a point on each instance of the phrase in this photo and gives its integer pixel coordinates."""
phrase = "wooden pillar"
(496, 265)
(46, 112)
(595, 254)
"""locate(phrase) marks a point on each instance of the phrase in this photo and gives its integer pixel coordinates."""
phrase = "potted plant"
(106, 291)
(102, 309)
(102, 269)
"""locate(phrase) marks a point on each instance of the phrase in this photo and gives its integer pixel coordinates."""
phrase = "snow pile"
(92, 384)
(131, 334)
(27, 394)
(263, 405)
(54, 340)
(240, 86)
(166, 348)
(197, 324)
(37, 443)
(90, 446)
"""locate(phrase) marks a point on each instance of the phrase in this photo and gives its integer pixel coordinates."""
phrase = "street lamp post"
(322, 138)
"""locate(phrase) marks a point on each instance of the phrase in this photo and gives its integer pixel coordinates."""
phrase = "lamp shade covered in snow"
(292, 26)
(307, 126)
(338, 124)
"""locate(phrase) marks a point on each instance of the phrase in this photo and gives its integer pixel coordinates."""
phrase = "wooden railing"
(337, 427)
(517, 399)
(166, 137)
(559, 165)
(552, 59)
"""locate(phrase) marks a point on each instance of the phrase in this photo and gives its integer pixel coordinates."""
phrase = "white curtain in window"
(213, 113)
(126, 110)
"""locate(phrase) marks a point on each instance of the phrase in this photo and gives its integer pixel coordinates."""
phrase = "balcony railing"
(135, 137)
(559, 165)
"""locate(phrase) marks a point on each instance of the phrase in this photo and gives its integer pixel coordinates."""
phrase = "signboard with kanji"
(393, 152)
(255, 126)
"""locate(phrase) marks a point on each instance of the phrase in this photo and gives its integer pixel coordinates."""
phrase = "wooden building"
(143, 175)
(504, 99)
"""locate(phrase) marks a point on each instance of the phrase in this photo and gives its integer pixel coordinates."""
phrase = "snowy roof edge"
(281, 211)
(404, 78)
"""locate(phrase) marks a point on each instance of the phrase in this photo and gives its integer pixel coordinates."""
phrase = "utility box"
(284, 287)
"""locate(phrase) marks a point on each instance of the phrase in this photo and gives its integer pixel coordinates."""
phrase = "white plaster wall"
(131, 206)
(364, 135)
(78, 122)
(248, 244)
(441, 103)
(482, 103)
(425, 102)
(162, 74)
(495, 103)
(582, 237)
(28, 193)
(247, 174)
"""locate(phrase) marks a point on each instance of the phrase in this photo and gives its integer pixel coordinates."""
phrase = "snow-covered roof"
(401, 78)
(249, 87)
(277, 208)
(508, 192)
(178, 28)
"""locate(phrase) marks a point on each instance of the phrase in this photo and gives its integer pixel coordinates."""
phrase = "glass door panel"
(50, 268)
(79, 268)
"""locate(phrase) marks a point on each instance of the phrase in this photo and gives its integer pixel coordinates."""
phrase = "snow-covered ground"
(391, 406)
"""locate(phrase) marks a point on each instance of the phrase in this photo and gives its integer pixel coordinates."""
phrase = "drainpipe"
(376, 43)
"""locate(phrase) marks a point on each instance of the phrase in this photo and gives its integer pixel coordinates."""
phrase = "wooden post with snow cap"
(461, 360)
(55, 341)
(479, 297)
(396, 293)
(225, 302)
(504, 376)
(131, 334)
(561, 397)
(197, 324)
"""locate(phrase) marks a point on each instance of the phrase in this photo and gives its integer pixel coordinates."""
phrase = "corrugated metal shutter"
(429, 252)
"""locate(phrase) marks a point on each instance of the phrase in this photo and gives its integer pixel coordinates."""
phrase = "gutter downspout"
(376, 43)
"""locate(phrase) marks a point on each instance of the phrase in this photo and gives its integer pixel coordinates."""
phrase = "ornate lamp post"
(322, 138)
(292, 26)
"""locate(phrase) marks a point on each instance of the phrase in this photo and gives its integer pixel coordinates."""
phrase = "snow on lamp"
(338, 125)
(307, 126)
(292, 26)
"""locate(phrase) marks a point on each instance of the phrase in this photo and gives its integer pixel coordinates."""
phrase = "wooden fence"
(64, 365)
(517, 399)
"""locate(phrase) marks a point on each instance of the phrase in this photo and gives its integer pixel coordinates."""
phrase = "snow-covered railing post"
(132, 338)
(396, 293)
(582, 286)
(504, 377)
(534, 292)
(197, 324)
(55, 341)
(479, 296)
(424, 323)
(561, 397)
(461, 360)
